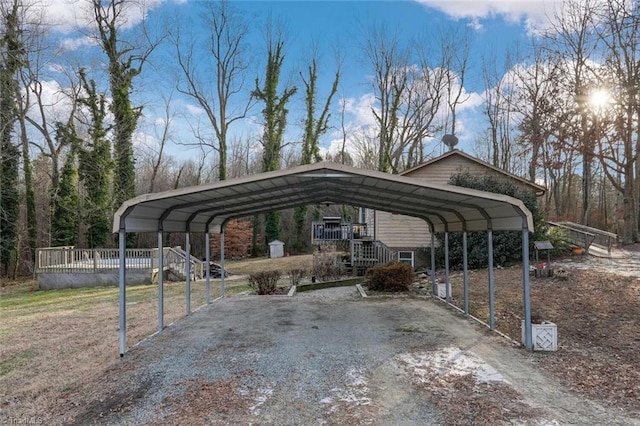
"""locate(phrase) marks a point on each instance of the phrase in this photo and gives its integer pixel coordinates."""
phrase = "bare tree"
(454, 47)
(498, 109)
(389, 62)
(619, 147)
(217, 85)
(574, 38)
(163, 137)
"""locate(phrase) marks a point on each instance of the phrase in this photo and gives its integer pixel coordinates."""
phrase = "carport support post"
(187, 269)
(492, 301)
(122, 276)
(465, 272)
(528, 339)
(222, 270)
(160, 281)
(434, 287)
(446, 267)
(207, 272)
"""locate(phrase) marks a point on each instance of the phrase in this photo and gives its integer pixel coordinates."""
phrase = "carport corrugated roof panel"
(204, 207)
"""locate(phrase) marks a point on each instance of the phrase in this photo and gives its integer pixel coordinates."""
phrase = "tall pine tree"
(11, 51)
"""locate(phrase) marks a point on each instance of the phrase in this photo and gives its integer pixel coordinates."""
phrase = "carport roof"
(204, 208)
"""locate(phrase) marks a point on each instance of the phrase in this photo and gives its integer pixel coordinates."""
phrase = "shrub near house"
(391, 277)
(507, 245)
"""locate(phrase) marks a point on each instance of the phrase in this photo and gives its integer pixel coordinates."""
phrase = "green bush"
(559, 240)
(265, 282)
(507, 245)
(391, 277)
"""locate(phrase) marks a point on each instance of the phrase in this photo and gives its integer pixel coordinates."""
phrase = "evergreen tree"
(506, 244)
(65, 215)
(11, 51)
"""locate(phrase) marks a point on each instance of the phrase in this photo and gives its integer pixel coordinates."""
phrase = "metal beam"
(222, 269)
(434, 286)
(492, 299)
(465, 272)
(187, 270)
(528, 340)
(446, 267)
(207, 259)
(160, 281)
(122, 297)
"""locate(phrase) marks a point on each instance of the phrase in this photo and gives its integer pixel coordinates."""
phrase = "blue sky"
(497, 26)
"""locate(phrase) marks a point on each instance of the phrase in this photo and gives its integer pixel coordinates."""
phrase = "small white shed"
(276, 249)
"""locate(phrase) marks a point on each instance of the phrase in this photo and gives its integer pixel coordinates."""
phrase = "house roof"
(205, 208)
(539, 189)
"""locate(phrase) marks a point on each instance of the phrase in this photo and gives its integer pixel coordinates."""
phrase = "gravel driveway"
(332, 357)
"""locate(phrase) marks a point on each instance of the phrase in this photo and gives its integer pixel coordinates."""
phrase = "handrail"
(595, 236)
(370, 253)
(69, 259)
(338, 231)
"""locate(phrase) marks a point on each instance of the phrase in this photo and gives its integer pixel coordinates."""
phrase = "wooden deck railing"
(69, 259)
(344, 231)
(370, 253)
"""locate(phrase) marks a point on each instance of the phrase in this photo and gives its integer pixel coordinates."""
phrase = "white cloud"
(536, 14)
(194, 109)
(69, 15)
(360, 109)
(56, 104)
(70, 44)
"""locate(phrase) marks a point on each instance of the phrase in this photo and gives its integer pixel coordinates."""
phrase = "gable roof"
(205, 208)
(538, 189)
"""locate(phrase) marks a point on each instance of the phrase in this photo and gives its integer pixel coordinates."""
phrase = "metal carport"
(207, 208)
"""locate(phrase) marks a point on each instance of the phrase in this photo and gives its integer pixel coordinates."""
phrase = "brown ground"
(52, 347)
(598, 319)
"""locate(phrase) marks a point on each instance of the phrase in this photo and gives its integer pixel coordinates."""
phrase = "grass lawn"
(52, 341)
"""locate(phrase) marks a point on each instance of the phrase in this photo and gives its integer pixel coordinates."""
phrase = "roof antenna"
(450, 141)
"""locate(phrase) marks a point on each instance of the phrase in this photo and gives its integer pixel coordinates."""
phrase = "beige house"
(406, 235)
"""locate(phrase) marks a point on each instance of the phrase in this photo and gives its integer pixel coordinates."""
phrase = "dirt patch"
(598, 318)
(212, 402)
(332, 357)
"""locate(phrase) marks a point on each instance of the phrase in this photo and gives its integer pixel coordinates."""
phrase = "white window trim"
(413, 256)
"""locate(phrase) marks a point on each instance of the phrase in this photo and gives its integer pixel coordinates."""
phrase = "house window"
(405, 257)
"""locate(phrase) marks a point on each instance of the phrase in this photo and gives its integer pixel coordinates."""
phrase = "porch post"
(187, 270)
(446, 267)
(465, 272)
(207, 259)
(492, 302)
(434, 287)
(160, 281)
(122, 297)
(528, 339)
(222, 270)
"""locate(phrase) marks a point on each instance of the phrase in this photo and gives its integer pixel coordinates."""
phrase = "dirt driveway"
(329, 357)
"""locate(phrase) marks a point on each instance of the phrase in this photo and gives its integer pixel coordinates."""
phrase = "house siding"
(396, 230)
(399, 231)
(441, 171)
